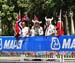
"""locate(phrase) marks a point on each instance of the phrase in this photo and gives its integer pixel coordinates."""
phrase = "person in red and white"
(25, 30)
(36, 29)
(50, 29)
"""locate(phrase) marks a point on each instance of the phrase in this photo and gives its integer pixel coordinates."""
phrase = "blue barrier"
(37, 43)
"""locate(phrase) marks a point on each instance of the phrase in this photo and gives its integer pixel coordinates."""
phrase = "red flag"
(18, 25)
(59, 26)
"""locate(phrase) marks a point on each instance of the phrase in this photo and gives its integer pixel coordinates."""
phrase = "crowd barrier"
(37, 43)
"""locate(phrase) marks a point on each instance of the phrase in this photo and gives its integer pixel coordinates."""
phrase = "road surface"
(9, 61)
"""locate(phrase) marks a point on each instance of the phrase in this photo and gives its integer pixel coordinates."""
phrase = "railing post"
(62, 58)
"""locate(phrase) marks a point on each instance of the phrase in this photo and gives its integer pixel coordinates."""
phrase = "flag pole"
(60, 18)
(19, 13)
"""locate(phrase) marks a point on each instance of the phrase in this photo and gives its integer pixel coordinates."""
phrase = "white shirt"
(50, 30)
(33, 32)
(25, 32)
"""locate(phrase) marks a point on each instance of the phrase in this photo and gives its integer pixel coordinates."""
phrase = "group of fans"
(37, 30)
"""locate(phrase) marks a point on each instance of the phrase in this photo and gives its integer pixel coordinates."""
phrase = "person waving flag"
(18, 26)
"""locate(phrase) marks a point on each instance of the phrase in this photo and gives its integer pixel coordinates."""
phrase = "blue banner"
(37, 43)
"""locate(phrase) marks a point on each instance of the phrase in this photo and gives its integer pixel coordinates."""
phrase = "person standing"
(25, 30)
(36, 29)
(50, 29)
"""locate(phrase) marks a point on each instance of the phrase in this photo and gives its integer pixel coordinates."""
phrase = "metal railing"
(29, 56)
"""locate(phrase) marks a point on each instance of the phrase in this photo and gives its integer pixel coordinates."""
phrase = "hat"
(35, 17)
(49, 19)
(36, 21)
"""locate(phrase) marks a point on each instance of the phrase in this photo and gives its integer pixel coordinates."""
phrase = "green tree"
(10, 8)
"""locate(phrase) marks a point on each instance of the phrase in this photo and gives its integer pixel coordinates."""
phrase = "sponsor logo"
(68, 44)
(13, 44)
(55, 44)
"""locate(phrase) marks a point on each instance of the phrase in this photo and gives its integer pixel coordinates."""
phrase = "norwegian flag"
(59, 26)
(18, 26)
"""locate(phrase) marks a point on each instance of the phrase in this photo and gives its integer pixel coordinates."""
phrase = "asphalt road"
(8, 61)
